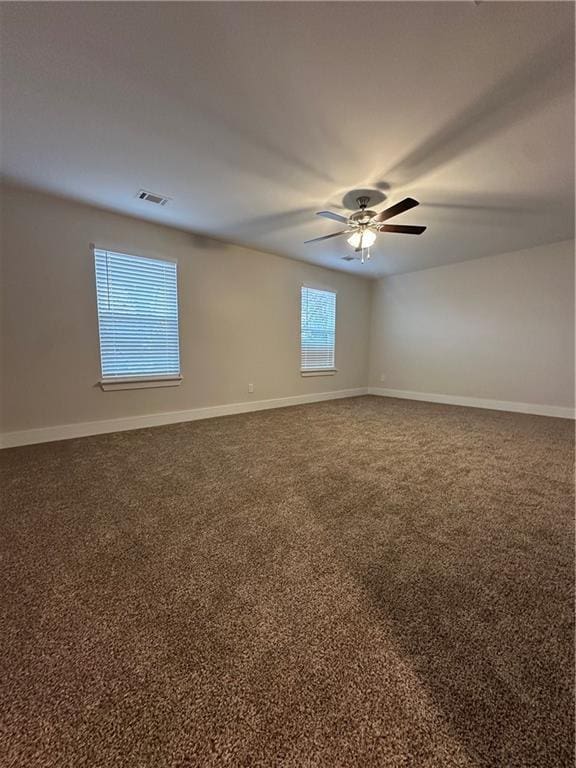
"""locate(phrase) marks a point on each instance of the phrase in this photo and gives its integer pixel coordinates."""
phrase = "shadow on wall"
(207, 243)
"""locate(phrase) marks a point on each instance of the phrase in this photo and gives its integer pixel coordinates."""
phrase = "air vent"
(152, 197)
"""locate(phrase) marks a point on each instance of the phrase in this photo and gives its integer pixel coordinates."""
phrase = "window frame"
(145, 380)
(310, 372)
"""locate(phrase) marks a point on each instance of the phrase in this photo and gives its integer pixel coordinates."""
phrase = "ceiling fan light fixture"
(362, 239)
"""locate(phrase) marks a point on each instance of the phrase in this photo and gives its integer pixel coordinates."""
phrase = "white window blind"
(318, 329)
(137, 315)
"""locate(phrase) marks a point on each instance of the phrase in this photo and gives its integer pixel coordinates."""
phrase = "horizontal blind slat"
(137, 314)
(318, 329)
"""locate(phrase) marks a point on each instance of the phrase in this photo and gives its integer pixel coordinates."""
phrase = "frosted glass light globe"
(362, 239)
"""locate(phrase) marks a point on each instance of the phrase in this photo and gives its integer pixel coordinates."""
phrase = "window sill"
(140, 382)
(320, 372)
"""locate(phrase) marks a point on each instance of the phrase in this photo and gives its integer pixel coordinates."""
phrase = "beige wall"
(500, 327)
(239, 317)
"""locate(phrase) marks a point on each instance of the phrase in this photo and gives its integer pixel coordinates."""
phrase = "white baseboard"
(477, 402)
(84, 429)
(87, 428)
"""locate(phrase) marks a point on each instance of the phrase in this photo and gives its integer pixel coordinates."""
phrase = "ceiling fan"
(363, 224)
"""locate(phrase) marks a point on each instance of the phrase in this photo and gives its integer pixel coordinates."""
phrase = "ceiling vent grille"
(152, 197)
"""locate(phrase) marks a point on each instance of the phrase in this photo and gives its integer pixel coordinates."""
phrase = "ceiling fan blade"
(394, 210)
(332, 215)
(401, 229)
(327, 237)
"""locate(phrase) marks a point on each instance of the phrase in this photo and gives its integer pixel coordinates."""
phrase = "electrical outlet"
(250, 387)
(382, 377)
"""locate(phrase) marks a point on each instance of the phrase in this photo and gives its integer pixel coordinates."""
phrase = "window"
(137, 317)
(318, 330)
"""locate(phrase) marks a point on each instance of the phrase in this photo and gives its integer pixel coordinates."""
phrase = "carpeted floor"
(364, 582)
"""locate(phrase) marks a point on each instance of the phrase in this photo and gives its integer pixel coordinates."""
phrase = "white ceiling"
(251, 116)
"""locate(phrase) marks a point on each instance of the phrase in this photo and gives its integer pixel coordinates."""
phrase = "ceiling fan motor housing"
(362, 217)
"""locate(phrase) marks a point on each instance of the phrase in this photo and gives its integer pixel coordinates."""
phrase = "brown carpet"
(364, 582)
